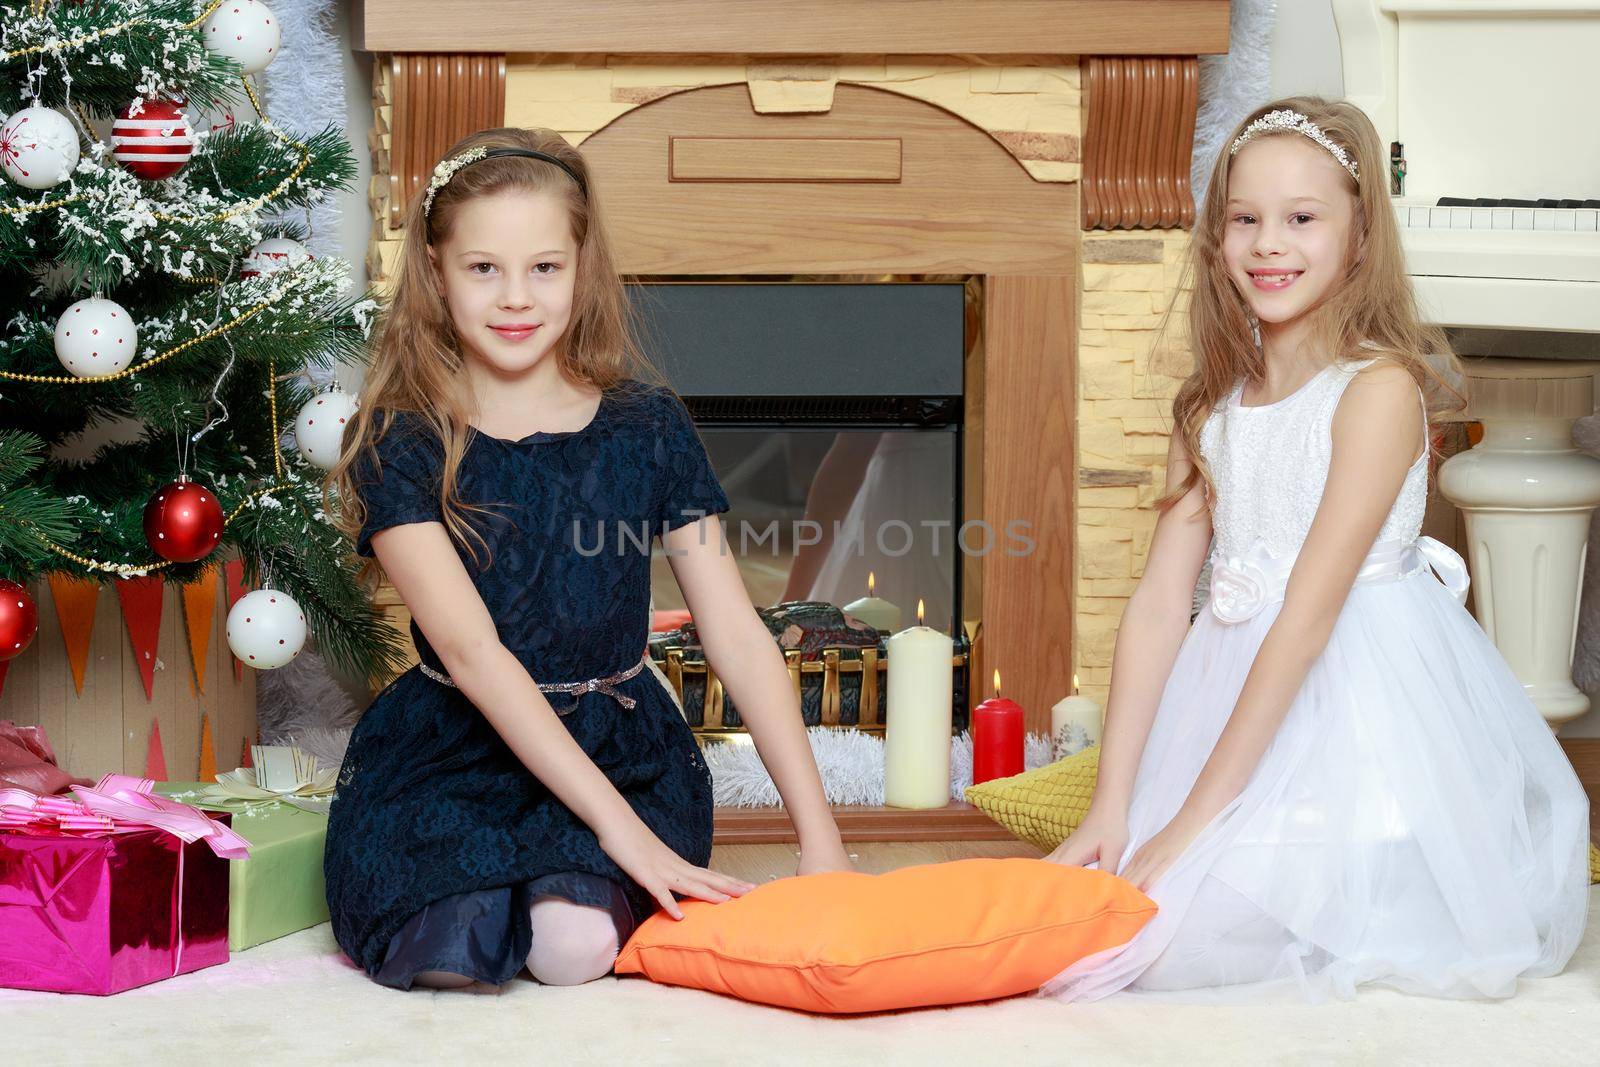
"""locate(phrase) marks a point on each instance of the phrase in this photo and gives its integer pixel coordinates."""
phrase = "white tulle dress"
(1413, 823)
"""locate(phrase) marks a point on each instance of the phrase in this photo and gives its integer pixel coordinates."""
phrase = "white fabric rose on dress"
(1239, 590)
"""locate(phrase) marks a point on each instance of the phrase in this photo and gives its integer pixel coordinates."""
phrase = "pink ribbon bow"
(119, 803)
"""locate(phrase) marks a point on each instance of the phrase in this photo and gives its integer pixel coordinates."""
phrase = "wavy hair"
(1371, 312)
(417, 363)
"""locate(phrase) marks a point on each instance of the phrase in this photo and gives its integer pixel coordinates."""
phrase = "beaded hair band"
(1294, 122)
(446, 168)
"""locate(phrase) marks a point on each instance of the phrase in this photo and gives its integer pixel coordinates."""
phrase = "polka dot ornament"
(183, 521)
(95, 336)
(319, 428)
(19, 619)
(266, 629)
(246, 31)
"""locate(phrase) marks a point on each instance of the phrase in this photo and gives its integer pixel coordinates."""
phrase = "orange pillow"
(943, 933)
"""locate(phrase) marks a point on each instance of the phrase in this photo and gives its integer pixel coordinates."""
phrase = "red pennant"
(233, 570)
(244, 757)
(141, 607)
(5, 665)
(155, 761)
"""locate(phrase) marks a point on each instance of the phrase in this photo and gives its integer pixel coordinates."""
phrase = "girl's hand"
(1158, 854)
(818, 859)
(662, 872)
(1098, 839)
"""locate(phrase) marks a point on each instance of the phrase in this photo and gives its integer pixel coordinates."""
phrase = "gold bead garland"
(95, 35)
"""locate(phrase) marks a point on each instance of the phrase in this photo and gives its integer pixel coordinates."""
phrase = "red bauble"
(19, 619)
(155, 143)
(183, 521)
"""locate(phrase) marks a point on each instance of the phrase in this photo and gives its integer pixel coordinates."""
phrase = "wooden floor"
(763, 863)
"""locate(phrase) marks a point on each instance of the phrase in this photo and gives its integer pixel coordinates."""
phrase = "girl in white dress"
(1332, 778)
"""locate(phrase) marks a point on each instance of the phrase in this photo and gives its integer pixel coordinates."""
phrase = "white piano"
(1494, 101)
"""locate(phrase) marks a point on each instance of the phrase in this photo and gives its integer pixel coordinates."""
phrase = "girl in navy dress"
(530, 792)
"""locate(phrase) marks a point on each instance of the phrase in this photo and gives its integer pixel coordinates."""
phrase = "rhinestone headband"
(446, 168)
(1294, 122)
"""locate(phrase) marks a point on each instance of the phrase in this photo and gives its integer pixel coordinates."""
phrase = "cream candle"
(1072, 711)
(873, 610)
(916, 744)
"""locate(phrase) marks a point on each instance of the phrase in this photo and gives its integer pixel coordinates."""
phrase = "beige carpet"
(296, 1001)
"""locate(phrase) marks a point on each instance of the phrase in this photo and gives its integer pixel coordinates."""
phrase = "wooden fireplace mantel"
(799, 27)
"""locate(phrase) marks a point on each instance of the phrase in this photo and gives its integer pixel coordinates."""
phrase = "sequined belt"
(1242, 585)
(606, 685)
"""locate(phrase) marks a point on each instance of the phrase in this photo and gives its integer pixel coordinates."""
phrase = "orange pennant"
(208, 751)
(75, 600)
(199, 604)
(141, 608)
(155, 761)
(233, 569)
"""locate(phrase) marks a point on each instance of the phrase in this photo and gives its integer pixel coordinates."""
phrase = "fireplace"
(1037, 163)
(834, 415)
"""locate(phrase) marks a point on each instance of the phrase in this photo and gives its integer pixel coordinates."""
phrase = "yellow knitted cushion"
(1594, 865)
(1042, 806)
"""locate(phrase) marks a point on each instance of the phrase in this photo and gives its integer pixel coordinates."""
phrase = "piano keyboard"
(1424, 216)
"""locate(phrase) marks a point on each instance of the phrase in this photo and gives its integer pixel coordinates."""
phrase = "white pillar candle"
(916, 745)
(1073, 711)
(873, 610)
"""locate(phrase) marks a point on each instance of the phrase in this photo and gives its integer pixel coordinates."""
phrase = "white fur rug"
(297, 1002)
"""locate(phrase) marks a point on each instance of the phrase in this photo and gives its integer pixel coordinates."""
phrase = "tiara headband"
(1294, 122)
(446, 168)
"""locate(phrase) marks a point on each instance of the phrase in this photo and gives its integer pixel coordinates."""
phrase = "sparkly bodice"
(1270, 464)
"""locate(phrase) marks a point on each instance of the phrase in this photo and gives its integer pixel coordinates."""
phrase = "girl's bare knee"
(572, 943)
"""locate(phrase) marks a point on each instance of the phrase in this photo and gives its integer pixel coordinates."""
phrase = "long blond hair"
(1372, 312)
(417, 362)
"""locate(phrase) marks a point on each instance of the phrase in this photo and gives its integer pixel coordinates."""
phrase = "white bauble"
(274, 254)
(96, 336)
(266, 628)
(319, 428)
(38, 147)
(246, 31)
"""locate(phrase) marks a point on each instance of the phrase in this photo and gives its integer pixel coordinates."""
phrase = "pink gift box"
(93, 902)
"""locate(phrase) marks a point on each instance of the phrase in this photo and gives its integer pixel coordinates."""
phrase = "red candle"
(996, 737)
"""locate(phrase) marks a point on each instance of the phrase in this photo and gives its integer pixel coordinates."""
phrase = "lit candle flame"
(919, 611)
(872, 585)
(997, 683)
(1074, 683)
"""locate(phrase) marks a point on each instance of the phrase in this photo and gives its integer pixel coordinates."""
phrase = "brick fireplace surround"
(1041, 146)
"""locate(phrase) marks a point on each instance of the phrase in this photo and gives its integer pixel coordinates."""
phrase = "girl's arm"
(1153, 627)
(752, 670)
(422, 563)
(1378, 430)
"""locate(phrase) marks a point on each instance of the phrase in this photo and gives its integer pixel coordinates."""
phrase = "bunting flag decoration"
(199, 605)
(208, 751)
(234, 570)
(244, 757)
(75, 604)
(5, 665)
(141, 608)
(155, 761)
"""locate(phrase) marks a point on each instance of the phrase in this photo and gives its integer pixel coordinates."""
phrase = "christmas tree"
(154, 292)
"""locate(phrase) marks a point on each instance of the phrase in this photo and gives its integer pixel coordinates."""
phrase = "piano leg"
(1527, 495)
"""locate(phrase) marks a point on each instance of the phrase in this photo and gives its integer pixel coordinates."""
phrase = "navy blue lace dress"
(439, 838)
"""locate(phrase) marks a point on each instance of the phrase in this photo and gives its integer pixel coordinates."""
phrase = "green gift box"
(279, 889)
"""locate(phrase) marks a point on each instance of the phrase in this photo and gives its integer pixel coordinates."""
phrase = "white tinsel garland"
(851, 765)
